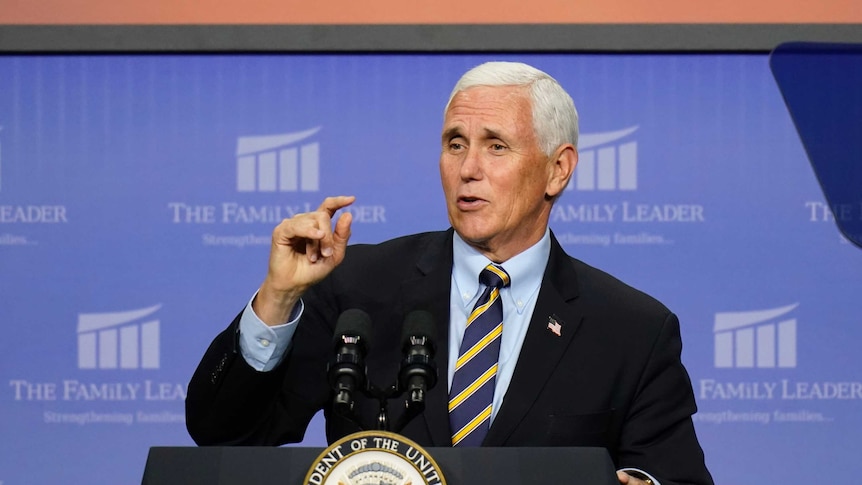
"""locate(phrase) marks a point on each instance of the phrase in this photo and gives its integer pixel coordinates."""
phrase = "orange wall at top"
(425, 11)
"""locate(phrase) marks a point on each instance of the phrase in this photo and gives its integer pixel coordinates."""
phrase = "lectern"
(289, 465)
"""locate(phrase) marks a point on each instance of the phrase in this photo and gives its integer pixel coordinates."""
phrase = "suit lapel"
(542, 348)
(430, 291)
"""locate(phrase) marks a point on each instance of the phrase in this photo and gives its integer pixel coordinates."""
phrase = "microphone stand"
(383, 396)
(413, 405)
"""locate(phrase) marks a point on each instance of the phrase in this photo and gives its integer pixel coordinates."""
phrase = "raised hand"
(305, 248)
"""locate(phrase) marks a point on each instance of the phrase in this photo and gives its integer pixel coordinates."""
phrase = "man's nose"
(470, 165)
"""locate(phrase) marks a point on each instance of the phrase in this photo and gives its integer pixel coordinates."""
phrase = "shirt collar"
(525, 269)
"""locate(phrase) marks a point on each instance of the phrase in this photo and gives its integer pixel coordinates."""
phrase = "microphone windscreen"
(418, 323)
(353, 322)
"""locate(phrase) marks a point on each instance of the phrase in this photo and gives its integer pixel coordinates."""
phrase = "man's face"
(494, 175)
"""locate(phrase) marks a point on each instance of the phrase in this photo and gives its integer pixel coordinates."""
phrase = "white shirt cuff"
(263, 347)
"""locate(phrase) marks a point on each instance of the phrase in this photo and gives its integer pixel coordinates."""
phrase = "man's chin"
(476, 239)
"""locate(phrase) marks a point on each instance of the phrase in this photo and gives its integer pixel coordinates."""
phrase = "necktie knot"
(494, 276)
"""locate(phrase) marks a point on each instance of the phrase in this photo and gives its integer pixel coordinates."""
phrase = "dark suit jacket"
(613, 378)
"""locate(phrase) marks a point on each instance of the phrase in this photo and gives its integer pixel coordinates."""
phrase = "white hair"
(555, 118)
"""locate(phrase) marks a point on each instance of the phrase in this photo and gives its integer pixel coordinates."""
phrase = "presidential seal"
(374, 458)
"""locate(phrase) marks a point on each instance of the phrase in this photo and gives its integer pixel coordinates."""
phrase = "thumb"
(341, 234)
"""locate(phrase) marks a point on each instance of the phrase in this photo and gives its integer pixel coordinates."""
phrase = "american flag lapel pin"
(554, 326)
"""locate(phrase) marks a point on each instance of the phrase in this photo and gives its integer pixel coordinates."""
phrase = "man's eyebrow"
(493, 134)
(450, 133)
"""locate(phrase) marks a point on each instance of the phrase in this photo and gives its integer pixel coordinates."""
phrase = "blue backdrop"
(137, 195)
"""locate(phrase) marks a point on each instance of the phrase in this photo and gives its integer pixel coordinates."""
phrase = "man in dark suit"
(580, 359)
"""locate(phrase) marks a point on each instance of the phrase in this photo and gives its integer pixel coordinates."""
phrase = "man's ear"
(562, 165)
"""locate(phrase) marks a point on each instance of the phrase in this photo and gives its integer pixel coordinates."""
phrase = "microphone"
(418, 370)
(347, 371)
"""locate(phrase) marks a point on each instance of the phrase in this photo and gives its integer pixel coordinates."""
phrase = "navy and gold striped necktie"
(472, 392)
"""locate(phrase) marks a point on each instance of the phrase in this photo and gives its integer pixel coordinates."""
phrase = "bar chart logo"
(606, 162)
(761, 339)
(119, 340)
(278, 163)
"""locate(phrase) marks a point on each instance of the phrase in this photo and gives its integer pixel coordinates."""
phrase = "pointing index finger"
(331, 204)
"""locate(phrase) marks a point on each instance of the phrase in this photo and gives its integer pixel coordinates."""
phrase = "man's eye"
(497, 147)
(455, 146)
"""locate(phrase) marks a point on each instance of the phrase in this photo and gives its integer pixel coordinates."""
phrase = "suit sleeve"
(231, 403)
(658, 435)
